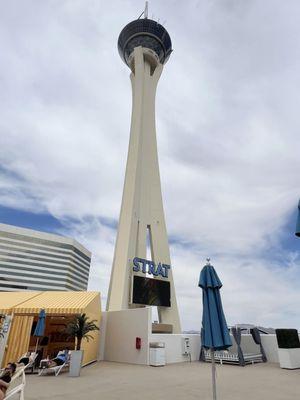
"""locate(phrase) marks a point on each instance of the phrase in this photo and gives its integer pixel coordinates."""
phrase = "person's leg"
(52, 363)
(24, 360)
(58, 361)
(1, 395)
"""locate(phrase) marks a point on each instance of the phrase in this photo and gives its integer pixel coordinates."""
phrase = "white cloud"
(254, 289)
(228, 136)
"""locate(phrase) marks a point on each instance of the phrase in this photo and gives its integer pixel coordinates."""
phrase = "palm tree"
(80, 327)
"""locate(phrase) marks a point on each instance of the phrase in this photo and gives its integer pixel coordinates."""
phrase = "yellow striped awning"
(57, 303)
(9, 300)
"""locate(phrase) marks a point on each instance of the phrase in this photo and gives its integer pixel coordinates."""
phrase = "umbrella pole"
(213, 372)
(36, 346)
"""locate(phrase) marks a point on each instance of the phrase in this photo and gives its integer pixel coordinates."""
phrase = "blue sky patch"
(26, 219)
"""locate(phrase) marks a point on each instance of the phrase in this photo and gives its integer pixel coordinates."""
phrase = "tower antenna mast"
(145, 12)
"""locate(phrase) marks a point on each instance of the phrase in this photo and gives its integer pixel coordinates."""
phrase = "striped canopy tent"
(24, 308)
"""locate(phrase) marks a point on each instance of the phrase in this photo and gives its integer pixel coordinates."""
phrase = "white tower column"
(142, 207)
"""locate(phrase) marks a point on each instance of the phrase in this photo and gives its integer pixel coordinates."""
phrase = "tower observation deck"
(145, 46)
(149, 34)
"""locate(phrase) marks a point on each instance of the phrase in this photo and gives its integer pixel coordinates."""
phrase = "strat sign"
(146, 266)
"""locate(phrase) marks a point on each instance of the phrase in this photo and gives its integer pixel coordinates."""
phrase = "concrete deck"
(186, 381)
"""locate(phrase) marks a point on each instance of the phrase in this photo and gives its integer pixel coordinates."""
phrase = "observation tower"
(137, 280)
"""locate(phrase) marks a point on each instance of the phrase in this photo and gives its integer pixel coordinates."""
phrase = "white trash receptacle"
(289, 358)
(157, 354)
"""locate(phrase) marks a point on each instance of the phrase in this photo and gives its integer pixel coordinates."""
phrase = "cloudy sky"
(228, 140)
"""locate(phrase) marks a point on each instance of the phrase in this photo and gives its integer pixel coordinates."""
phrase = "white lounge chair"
(58, 368)
(234, 356)
(18, 389)
(32, 359)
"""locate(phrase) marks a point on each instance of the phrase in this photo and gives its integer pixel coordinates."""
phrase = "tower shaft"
(142, 207)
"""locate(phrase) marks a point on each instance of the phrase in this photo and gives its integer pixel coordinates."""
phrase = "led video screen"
(151, 292)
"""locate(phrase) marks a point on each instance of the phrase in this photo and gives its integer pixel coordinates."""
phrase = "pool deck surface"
(107, 380)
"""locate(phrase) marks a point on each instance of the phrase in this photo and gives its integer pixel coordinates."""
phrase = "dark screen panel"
(152, 292)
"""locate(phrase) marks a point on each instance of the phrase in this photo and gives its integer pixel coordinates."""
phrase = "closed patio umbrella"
(214, 333)
(297, 233)
(40, 327)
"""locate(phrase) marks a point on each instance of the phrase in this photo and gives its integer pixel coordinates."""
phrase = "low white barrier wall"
(102, 336)
(173, 346)
(269, 343)
(122, 329)
(119, 330)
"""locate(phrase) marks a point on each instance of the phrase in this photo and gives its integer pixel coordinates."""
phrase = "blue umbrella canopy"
(40, 326)
(214, 333)
(297, 233)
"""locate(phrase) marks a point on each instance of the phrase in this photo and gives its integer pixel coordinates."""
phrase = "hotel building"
(33, 260)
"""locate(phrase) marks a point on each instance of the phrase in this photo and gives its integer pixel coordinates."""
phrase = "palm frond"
(80, 327)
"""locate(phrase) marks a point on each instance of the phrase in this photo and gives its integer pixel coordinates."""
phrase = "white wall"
(269, 343)
(102, 336)
(122, 328)
(173, 346)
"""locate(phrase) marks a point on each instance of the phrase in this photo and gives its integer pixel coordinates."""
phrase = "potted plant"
(79, 328)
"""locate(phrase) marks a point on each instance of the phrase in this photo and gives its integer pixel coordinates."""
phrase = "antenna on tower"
(145, 12)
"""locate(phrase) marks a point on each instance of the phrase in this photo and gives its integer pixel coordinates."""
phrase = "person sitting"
(60, 359)
(25, 359)
(5, 378)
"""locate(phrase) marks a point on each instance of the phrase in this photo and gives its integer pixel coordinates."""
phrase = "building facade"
(33, 260)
